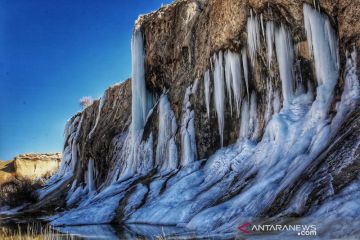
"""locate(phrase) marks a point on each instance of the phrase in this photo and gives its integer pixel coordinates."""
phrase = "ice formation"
(228, 77)
(246, 70)
(101, 104)
(270, 35)
(207, 92)
(233, 76)
(275, 162)
(239, 181)
(140, 96)
(188, 142)
(69, 158)
(141, 104)
(285, 58)
(253, 36)
(245, 119)
(166, 150)
(219, 92)
(269, 97)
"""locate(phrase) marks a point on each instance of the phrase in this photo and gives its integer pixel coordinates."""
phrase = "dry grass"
(35, 231)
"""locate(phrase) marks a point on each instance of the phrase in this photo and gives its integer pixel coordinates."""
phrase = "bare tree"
(86, 101)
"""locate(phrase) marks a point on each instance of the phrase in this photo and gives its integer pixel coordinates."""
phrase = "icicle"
(253, 36)
(90, 176)
(276, 102)
(188, 142)
(285, 58)
(145, 156)
(233, 78)
(269, 41)
(269, 92)
(246, 70)
(101, 104)
(140, 96)
(219, 92)
(141, 104)
(166, 150)
(323, 45)
(245, 118)
(253, 118)
(237, 84)
(207, 91)
(74, 146)
(350, 96)
(228, 76)
(262, 25)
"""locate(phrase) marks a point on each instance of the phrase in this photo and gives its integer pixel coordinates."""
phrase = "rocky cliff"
(236, 111)
(30, 166)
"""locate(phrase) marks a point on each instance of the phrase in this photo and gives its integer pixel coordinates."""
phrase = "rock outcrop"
(235, 110)
(30, 166)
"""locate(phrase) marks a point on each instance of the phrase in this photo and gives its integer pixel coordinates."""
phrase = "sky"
(52, 53)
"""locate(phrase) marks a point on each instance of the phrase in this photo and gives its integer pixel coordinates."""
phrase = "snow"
(96, 209)
(219, 92)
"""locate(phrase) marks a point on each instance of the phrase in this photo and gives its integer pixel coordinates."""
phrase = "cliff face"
(235, 110)
(30, 166)
(180, 40)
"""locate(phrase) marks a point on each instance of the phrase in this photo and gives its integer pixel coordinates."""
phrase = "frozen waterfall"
(219, 92)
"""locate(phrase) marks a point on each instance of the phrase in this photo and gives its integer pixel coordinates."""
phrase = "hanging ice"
(233, 77)
(207, 91)
(323, 47)
(188, 142)
(101, 104)
(285, 58)
(166, 150)
(69, 158)
(246, 70)
(253, 121)
(253, 36)
(228, 76)
(351, 93)
(245, 118)
(269, 41)
(141, 99)
(90, 176)
(269, 96)
(219, 92)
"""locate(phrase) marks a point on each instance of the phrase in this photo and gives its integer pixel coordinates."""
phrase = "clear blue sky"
(53, 52)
